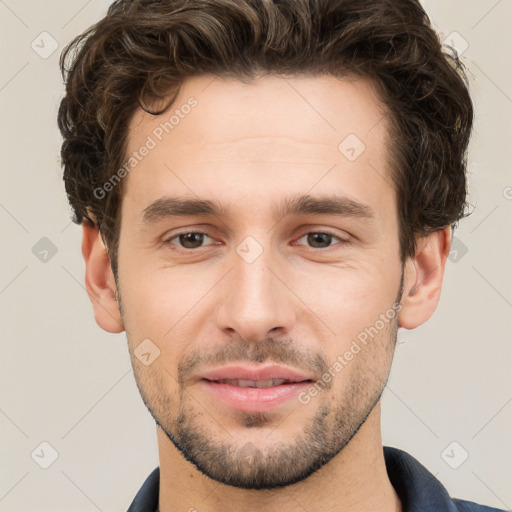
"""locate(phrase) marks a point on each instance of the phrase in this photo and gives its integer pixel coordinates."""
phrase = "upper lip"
(240, 372)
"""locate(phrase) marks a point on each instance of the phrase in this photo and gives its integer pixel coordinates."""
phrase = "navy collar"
(418, 489)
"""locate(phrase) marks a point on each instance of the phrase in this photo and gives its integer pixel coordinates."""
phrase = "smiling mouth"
(242, 383)
(263, 394)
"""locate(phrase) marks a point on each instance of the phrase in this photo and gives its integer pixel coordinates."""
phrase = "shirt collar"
(416, 487)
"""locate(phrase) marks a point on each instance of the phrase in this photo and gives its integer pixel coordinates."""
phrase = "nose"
(255, 301)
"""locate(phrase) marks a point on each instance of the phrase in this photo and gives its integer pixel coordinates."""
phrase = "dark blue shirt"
(418, 489)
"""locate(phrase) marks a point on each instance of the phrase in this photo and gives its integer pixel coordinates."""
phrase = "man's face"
(261, 287)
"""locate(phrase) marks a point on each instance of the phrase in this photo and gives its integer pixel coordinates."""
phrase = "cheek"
(361, 364)
(147, 307)
(166, 307)
(347, 300)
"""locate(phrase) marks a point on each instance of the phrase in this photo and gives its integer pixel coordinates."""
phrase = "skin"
(249, 146)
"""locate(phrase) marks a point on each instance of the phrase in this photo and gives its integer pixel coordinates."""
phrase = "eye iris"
(195, 239)
(318, 238)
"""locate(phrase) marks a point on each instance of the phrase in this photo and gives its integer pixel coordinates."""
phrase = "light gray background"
(65, 382)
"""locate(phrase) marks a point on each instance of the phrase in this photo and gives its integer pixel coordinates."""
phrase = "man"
(267, 192)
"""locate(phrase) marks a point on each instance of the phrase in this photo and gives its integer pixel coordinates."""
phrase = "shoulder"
(420, 490)
(469, 506)
(146, 499)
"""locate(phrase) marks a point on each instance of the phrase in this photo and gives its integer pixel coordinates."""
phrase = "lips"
(253, 383)
(254, 388)
(247, 376)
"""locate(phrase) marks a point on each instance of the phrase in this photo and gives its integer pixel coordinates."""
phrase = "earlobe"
(423, 279)
(99, 280)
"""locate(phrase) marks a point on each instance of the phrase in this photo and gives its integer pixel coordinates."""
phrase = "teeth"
(253, 383)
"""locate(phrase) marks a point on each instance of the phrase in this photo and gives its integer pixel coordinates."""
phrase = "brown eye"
(191, 240)
(188, 239)
(321, 240)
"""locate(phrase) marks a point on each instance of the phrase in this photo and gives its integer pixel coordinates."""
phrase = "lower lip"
(254, 399)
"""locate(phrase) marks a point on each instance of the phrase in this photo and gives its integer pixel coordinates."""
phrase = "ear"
(423, 278)
(99, 280)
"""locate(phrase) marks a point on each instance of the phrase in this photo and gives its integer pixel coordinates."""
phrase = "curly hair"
(140, 53)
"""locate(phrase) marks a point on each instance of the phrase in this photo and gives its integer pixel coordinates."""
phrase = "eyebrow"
(339, 206)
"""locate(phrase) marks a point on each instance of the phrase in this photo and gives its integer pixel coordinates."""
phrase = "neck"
(355, 480)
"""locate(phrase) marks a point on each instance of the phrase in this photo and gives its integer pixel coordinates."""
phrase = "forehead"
(269, 106)
(224, 137)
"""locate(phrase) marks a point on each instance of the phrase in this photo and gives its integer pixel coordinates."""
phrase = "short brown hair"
(142, 50)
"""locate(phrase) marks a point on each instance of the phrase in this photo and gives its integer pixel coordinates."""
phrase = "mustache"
(273, 350)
